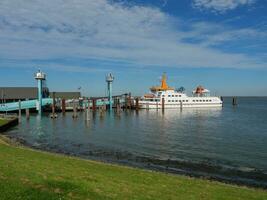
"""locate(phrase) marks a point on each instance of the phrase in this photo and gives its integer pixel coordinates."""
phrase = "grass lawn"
(30, 174)
(3, 121)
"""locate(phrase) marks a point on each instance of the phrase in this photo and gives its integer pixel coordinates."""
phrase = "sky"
(220, 44)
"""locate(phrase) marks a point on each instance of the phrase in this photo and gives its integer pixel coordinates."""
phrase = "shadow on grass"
(50, 189)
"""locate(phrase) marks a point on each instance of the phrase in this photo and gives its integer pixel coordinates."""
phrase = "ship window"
(196, 100)
(210, 100)
(169, 100)
(176, 100)
(169, 95)
(186, 100)
(176, 95)
(163, 95)
(172, 95)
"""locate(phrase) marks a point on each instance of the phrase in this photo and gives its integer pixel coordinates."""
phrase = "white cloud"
(86, 29)
(221, 5)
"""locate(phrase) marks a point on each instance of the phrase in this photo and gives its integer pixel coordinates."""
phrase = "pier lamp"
(109, 80)
(40, 77)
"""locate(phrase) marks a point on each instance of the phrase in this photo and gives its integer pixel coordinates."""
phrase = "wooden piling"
(129, 101)
(53, 105)
(118, 106)
(125, 101)
(74, 110)
(137, 103)
(19, 111)
(87, 113)
(88, 108)
(94, 105)
(63, 106)
(234, 101)
(27, 113)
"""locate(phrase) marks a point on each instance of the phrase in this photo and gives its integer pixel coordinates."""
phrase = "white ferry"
(167, 97)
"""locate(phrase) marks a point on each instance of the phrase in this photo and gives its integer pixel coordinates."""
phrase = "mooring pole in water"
(53, 105)
(163, 104)
(94, 105)
(125, 101)
(63, 106)
(74, 110)
(19, 111)
(118, 105)
(137, 103)
(130, 101)
(87, 115)
(88, 111)
(234, 101)
(27, 112)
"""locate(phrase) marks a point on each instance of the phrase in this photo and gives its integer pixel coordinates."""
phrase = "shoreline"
(148, 166)
(48, 175)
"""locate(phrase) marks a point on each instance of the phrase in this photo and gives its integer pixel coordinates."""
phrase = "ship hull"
(173, 105)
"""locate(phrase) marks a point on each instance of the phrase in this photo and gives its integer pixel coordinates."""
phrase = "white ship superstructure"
(166, 97)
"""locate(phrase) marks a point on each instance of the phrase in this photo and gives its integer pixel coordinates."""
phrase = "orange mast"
(164, 86)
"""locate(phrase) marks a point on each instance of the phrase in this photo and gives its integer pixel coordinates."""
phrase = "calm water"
(228, 144)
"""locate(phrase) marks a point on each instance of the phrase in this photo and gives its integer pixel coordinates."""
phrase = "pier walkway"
(24, 105)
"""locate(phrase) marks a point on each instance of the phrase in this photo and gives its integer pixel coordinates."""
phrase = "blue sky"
(220, 44)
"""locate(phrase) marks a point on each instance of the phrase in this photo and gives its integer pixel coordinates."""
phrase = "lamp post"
(109, 80)
(40, 77)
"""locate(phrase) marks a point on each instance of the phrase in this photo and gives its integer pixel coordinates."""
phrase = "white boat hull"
(145, 105)
(187, 102)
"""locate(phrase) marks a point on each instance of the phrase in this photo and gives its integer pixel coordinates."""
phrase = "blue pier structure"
(109, 80)
(40, 77)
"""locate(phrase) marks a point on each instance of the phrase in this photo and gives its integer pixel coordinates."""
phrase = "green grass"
(3, 121)
(30, 174)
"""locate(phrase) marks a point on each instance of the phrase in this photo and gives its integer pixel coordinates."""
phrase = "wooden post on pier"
(63, 106)
(88, 111)
(27, 112)
(125, 101)
(234, 101)
(94, 105)
(130, 101)
(19, 111)
(74, 110)
(137, 103)
(118, 105)
(163, 104)
(88, 108)
(54, 106)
